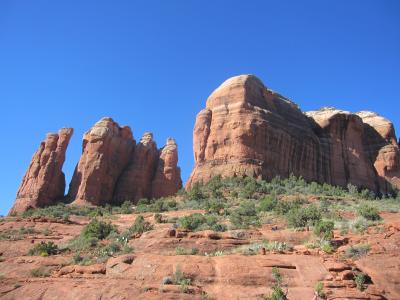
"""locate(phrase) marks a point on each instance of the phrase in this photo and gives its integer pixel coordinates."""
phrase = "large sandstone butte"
(114, 169)
(44, 181)
(249, 130)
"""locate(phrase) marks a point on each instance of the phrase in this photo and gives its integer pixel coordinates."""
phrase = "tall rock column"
(44, 181)
(167, 180)
(135, 181)
(381, 143)
(107, 149)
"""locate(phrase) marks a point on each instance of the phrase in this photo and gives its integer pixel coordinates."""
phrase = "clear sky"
(152, 64)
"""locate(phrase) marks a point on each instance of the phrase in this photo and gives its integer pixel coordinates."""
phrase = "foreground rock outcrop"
(44, 181)
(114, 169)
(249, 130)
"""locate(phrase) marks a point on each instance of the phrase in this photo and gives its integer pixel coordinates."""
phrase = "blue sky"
(152, 64)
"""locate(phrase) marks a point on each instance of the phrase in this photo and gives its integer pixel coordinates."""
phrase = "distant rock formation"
(249, 130)
(44, 181)
(114, 169)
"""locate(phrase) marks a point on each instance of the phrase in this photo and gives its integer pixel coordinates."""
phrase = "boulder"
(44, 181)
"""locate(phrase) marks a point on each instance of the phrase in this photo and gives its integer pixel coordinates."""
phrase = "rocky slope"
(112, 169)
(44, 181)
(249, 130)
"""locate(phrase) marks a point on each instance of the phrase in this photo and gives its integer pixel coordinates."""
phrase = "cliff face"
(44, 181)
(249, 130)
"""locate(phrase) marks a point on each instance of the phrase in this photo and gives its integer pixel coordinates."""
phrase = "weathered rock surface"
(249, 130)
(44, 181)
(114, 169)
(167, 179)
(135, 182)
(107, 149)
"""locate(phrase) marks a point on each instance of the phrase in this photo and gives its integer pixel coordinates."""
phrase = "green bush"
(303, 216)
(214, 206)
(245, 215)
(140, 226)
(192, 222)
(369, 212)
(196, 193)
(97, 229)
(268, 203)
(360, 280)
(44, 249)
(324, 229)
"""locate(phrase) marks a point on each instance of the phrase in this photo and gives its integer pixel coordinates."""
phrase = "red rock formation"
(167, 180)
(249, 130)
(107, 149)
(382, 148)
(44, 181)
(343, 134)
(114, 169)
(135, 182)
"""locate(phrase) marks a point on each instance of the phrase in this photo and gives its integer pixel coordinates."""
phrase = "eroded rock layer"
(249, 130)
(44, 181)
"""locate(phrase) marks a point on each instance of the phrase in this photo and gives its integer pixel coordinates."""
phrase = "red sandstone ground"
(139, 275)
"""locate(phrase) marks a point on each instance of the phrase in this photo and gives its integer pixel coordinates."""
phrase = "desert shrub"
(97, 229)
(368, 212)
(359, 225)
(158, 218)
(156, 205)
(278, 246)
(192, 222)
(303, 216)
(198, 222)
(44, 249)
(249, 188)
(267, 203)
(125, 208)
(40, 272)
(185, 251)
(283, 207)
(319, 290)
(214, 206)
(360, 280)
(245, 215)
(179, 277)
(324, 229)
(196, 193)
(140, 226)
(214, 186)
(352, 189)
(219, 227)
(277, 291)
(357, 250)
(326, 246)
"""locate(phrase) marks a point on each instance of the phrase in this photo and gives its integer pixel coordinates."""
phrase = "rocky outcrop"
(167, 179)
(44, 181)
(135, 181)
(249, 130)
(106, 150)
(114, 169)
